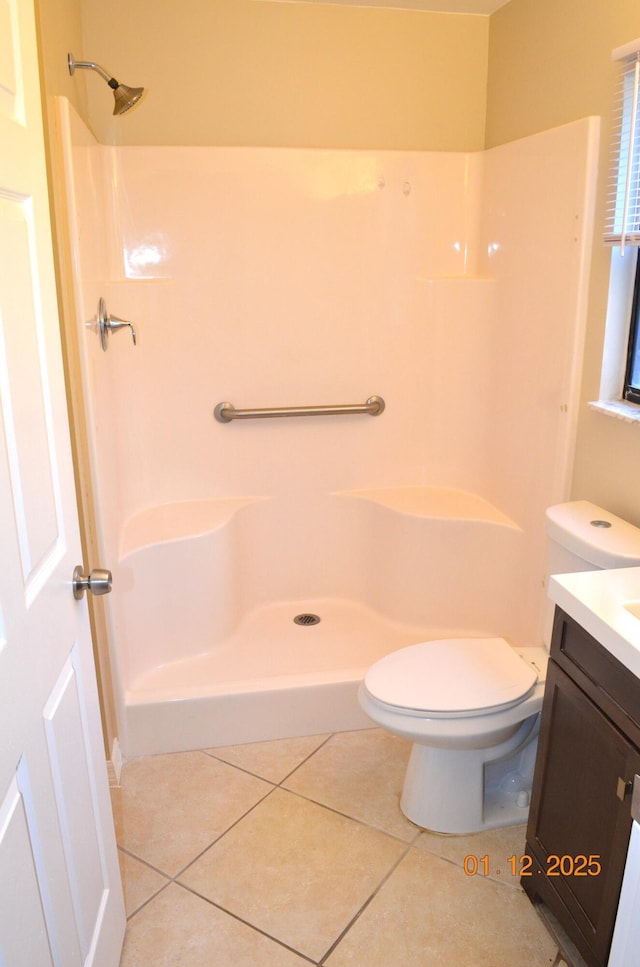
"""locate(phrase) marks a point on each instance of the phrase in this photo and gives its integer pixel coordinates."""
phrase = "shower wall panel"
(536, 236)
(276, 277)
(453, 285)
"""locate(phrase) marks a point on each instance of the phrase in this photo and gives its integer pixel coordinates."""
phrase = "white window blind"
(623, 204)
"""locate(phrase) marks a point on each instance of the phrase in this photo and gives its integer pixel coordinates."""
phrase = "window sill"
(618, 409)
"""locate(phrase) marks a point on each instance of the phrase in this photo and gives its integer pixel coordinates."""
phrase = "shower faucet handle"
(108, 323)
(114, 324)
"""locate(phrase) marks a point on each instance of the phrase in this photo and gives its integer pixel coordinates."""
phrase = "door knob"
(98, 582)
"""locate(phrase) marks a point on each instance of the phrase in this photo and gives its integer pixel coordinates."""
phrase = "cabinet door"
(576, 812)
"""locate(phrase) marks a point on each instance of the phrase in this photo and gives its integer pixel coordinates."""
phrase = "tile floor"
(294, 852)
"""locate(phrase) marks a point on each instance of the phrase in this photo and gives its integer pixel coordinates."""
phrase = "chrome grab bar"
(226, 412)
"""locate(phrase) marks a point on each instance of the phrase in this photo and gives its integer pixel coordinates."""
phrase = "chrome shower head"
(125, 97)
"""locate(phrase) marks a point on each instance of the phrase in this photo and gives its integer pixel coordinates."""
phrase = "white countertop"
(607, 605)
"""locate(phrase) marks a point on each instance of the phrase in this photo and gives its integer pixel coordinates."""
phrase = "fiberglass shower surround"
(286, 277)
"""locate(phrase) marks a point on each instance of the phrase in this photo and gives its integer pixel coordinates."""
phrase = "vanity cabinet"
(580, 816)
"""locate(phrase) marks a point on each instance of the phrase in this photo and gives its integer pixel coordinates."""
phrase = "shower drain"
(306, 619)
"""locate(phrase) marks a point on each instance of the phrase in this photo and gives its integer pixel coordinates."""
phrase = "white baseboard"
(114, 764)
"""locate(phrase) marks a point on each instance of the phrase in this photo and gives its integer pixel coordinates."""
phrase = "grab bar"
(226, 412)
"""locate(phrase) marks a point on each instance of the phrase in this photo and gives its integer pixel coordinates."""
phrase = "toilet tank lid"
(594, 534)
(454, 676)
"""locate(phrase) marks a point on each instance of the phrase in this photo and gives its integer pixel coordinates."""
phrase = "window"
(623, 215)
(620, 383)
(632, 372)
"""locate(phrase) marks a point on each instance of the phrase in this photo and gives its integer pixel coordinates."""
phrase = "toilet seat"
(453, 677)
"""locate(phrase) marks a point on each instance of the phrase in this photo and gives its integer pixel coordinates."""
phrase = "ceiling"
(436, 6)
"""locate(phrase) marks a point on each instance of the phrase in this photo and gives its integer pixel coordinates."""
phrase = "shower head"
(125, 97)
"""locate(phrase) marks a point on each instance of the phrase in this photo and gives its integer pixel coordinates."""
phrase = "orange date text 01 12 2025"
(565, 865)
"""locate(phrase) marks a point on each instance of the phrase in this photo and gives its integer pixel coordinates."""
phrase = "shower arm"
(90, 65)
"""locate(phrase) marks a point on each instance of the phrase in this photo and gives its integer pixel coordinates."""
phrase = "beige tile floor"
(294, 852)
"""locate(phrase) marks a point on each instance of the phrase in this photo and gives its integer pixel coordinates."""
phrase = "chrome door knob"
(98, 582)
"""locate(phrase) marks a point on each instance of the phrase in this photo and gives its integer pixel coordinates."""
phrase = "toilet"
(471, 706)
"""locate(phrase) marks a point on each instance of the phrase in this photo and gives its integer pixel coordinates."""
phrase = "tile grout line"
(224, 833)
(408, 848)
(293, 792)
(288, 792)
(460, 866)
(174, 878)
(256, 775)
(148, 901)
(310, 756)
(247, 923)
(353, 819)
(364, 906)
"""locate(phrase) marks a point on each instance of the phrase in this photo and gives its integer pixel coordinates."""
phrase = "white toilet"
(471, 706)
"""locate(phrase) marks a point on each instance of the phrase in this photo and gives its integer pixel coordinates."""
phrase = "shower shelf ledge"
(177, 521)
(184, 520)
(461, 277)
(121, 281)
(434, 503)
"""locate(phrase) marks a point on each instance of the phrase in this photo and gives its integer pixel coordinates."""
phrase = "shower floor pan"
(271, 679)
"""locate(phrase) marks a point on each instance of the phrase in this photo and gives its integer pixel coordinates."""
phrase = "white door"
(60, 893)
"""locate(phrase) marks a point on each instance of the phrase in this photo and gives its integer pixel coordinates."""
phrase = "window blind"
(623, 203)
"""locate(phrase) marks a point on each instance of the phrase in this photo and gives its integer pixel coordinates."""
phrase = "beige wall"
(550, 62)
(60, 32)
(253, 72)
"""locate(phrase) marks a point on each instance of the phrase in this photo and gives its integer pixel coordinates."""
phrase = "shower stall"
(452, 286)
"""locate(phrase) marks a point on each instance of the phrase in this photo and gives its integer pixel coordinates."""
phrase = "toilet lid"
(457, 676)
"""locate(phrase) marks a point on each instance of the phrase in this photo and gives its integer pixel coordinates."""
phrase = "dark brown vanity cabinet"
(580, 816)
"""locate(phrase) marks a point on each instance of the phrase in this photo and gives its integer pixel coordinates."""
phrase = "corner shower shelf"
(436, 503)
(177, 521)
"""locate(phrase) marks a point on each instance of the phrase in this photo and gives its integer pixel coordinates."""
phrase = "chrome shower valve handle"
(108, 323)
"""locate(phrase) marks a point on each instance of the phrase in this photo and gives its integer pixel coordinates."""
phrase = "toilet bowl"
(471, 707)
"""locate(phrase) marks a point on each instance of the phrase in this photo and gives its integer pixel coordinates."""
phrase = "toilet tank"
(584, 537)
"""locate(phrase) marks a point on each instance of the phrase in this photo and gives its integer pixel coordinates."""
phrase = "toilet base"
(465, 791)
